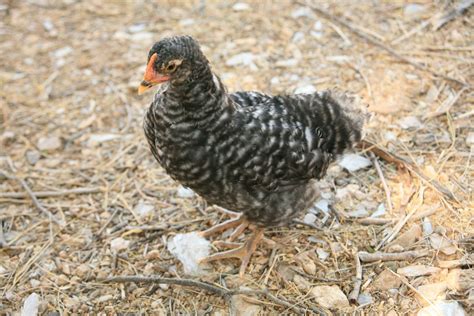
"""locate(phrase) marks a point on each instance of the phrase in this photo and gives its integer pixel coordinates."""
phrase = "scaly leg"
(223, 226)
(244, 252)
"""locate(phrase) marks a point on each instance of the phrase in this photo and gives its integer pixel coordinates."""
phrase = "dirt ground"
(71, 133)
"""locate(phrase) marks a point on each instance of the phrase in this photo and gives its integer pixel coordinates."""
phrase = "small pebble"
(185, 192)
(240, 6)
(49, 143)
(119, 243)
(32, 156)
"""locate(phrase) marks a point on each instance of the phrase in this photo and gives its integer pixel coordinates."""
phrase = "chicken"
(249, 152)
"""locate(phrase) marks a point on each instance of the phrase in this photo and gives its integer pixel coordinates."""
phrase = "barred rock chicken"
(252, 153)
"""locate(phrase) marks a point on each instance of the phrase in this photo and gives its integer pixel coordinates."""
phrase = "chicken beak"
(151, 77)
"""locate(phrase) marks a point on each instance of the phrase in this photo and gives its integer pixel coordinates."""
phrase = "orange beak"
(151, 77)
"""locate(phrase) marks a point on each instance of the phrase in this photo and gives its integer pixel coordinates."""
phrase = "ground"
(70, 119)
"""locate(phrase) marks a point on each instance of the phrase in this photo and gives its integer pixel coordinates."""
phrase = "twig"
(367, 257)
(460, 8)
(147, 227)
(384, 183)
(446, 106)
(300, 222)
(226, 293)
(358, 281)
(384, 221)
(396, 229)
(35, 201)
(413, 31)
(108, 222)
(375, 221)
(411, 287)
(377, 43)
(403, 163)
(42, 194)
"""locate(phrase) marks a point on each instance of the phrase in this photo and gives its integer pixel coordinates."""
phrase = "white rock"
(442, 308)
(298, 37)
(316, 34)
(239, 306)
(275, 81)
(144, 208)
(413, 9)
(390, 136)
(187, 22)
(48, 25)
(31, 305)
(137, 27)
(309, 218)
(442, 244)
(380, 211)
(364, 299)
(410, 122)
(35, 283)
(318, 25)
(360, 212)
(417, 270)
(119, 243)
(189, 249)
(96, 139)
(288, 63)
(427, 226)
(242, 59)
(317, 240)
(104, 298)
(62, 52)
(185, 192)
(142, 37)
(330, 297)
(322, 205)
(470, 139)
(305, 89)
(302, 11)
(32, 156)
(322, 254)
(341, 193)
(354, 162)
(49, 143)
(431, 292)
(339, 58)
(240, 6)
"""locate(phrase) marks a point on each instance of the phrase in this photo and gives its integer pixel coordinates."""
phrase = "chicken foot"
(244, 252)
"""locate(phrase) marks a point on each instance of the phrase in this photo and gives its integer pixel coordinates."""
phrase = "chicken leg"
(244, 252)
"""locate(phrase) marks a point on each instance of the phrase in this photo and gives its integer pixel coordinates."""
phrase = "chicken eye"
(171, 67)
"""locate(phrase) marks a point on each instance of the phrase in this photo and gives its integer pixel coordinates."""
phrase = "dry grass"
(78, 79)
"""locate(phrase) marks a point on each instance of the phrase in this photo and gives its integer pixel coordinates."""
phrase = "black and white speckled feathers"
(247, 151)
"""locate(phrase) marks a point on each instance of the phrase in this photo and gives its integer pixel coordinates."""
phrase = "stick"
(35, 201)
(42, 194)
(300, 222)
(460, 8)
(375, 221)
(358, 281)
(384, 183)
(403, 163)
(108, 222)
(367, 257)
(226, 293)
(377, 43)
(396, 229)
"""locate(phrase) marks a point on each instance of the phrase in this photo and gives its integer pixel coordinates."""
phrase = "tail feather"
(353, 119)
